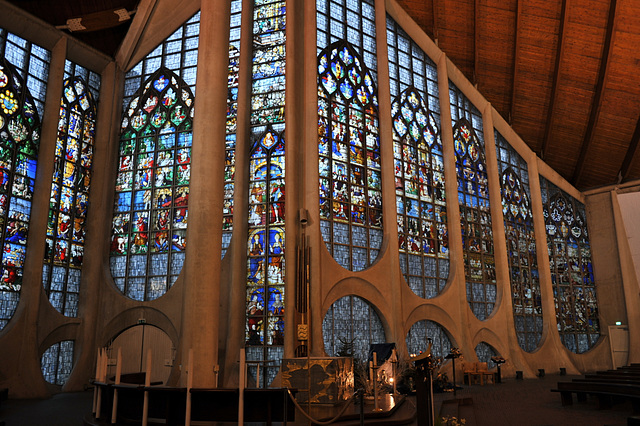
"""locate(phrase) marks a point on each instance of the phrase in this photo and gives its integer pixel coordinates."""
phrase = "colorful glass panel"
(69, 198)
(354, 323)
(574, 287)
(21, 101)
(349, 149)
(152, 188)
(265, 296)
(521, 245)
(232, 116)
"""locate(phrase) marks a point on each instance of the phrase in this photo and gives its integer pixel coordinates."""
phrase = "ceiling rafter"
(556, 78)
(476, 41)
(596, 106)
(514, 69)
(631, 152)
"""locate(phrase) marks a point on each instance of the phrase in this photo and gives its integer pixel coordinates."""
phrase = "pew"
(604, 391)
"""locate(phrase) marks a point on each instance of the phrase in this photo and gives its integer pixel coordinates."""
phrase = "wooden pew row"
(169, 404)
(604, 391)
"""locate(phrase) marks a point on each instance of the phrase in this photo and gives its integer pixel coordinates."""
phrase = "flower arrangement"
(453, 421)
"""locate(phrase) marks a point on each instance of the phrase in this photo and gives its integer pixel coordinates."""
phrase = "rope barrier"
(318, 422)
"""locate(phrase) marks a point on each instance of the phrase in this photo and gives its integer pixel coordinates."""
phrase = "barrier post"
(147, 383)
(114, 410)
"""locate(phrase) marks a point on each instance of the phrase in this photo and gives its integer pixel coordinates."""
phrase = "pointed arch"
(69, 199)
(475, 219)
(19, 141)
(349, 155)
(152, 187)
(574, 287)
(420, 195)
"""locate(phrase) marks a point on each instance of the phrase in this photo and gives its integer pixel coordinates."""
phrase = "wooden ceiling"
(565, 74)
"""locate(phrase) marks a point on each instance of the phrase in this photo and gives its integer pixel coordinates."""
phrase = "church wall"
(205, 308)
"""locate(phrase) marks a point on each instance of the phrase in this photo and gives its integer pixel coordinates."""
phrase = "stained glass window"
(69, 198)
(351, 322)
(423, 239)
(485, 352)
(57, 362)
(264, 327)
(23, 74)
(418, 338)
(232, 116)
(473, 198)
(154, 166)
(521, 245)
(349, 149)
(574, 288)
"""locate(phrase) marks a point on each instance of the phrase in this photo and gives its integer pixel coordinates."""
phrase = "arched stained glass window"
(521, 245)
(232, 116)
(475, 219)
(419, 167)
(21, 101)
(352, 324)
(265, 296)
(69, 198)
(152, 188)
(574, 287)
(485, 352)
(349, 149)
(424, 331)
(57, 362)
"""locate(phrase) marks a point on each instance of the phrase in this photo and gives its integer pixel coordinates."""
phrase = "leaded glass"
(574, 287)
(265, 298)
(152, 187)
(232, 116)
(21, 101)
(521, 245)
(475, 213)
(57, 362)
(69, 197)
(425, 331)
(419, 170)
(349, 148)
(354, 323)
(485, 352)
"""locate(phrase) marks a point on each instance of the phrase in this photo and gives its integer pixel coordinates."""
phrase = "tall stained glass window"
(521, 245)
(351, 323)
(264, 327)
(473, 198)
(574, 288)
(152, 186)
(70, 189)
(57, 362)
(423, 239)
(348, 141)
(24, 69)
(232, 116)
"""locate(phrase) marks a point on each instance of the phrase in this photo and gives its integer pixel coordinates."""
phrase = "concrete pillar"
(200, 316)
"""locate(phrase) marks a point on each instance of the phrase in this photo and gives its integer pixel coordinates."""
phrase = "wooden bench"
(603, 391)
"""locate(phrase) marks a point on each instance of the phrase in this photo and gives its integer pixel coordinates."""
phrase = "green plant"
(452, 421)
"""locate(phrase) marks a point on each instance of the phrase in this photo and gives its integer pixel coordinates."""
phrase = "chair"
(470, 372)
(483, 370)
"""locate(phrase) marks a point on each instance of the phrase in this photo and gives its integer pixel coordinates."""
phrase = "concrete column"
(200, 316)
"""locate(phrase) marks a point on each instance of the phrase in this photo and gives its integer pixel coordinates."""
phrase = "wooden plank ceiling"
(564, 73)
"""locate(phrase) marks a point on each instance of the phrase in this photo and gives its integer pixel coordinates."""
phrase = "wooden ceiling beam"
(476, 41)
(514, 69)
(596, 106)
(631, 152)
(556, 79)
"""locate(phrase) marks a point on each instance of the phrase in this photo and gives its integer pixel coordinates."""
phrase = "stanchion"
(187, 416)
(96, 388)
(147, 383)
(114, 410)
(241, 385)
(102, 367)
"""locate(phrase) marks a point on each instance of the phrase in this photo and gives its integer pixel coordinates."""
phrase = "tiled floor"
(519, 403)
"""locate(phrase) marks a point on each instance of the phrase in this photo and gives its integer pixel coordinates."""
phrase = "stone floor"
(513, 402)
